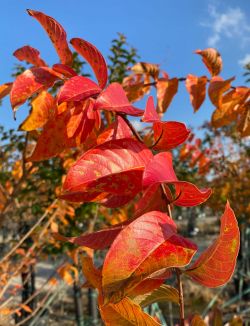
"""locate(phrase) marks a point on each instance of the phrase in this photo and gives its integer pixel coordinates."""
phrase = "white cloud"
(242, 62)
(232, 23)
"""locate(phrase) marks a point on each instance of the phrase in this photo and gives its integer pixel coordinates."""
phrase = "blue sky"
(163, 31)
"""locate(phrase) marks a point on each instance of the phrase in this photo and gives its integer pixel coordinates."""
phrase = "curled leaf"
(94, 58)
(216, 264)
(30, 55)
(57, 35)
(212, 60)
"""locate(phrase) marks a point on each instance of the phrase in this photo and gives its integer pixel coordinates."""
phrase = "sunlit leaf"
(30, 55)
(64, 70)
(114, 98)
(196, 86)
(217, 87)
(216, 264)
(166, 90)
(117, 130)
(77, 88)
(160, 171)
(31, 81)
(212, 59)
(146, 68)
(125, 313)
(5, 89)
(58, 132)
(151, 244)
(170, 134)
(165, 293)
(92, 274)
(43, 108)
(114, 167)
(57, 35)
(150, 114)
(244, 122)
(94, 58)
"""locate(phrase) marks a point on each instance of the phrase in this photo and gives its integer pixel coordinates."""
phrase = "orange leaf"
(92, 274)
(94, 58)
(196, 86)
(29, 82)
(5, 89)
(244, 122)
(57, 35)
(152, 244)
(26, 308)
(216, 265)
(217, 88)
(166, 90)
(30, 55)
(232, 105)
(43, 108)
(146, 68)
(212, 59)
(126, 313)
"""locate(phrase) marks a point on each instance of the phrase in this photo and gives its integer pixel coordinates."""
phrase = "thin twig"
(157, 141)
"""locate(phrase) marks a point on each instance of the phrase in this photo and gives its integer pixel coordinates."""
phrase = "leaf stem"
(181, 298)
(135, 133)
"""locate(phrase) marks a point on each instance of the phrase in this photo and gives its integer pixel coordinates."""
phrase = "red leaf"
(97, 240)
(77, 88)
(57, 35)
(216, 265)
(114, 98)
(196, 86)
(117, 130)
(153, 199)
(114, 168)
(64, 70)
(212, 59)
(150, 114)
(151, 244)
(30, 55)
(170, 134)
(160, 170)
(94, 58)
(29, 82)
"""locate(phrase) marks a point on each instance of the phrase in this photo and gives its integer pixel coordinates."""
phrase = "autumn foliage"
(119, 165)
